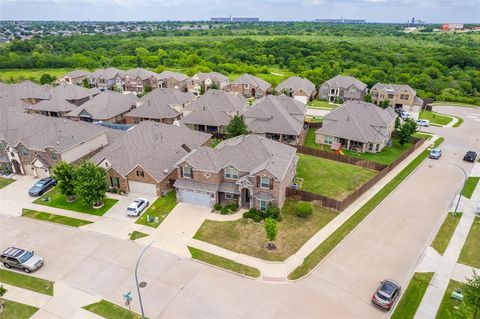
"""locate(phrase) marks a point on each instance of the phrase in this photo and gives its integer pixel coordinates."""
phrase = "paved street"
(389, 243)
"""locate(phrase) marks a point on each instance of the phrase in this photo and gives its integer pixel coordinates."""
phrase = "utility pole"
(142, 284)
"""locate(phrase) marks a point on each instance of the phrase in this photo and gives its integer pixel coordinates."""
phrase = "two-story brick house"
(209, 80)
(397, 95)
(249, 86)
(249, 170)
(173, 80)
(342, 88)
(107, 79)
(139, 80)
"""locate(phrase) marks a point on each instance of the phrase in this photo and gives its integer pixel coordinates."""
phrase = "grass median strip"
(28, 282)
(470, 186)
(413, 295)
(110, 310)
(445, 232)
(470, 254)
(137, 234)
(223, 263)
(17, 310)
(58, 219)
(319, 253)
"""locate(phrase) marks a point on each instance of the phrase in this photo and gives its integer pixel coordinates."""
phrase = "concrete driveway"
(18, 190)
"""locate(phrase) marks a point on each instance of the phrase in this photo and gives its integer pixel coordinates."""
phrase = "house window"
(140, 173)
(390, 96)
(115, 182)
(265, 182)
(377, 147)
(405, 96)
(2, 146)
(370, 146)
(187, 172)
(262, 205)
(228, 196)
(24, 151)
(53, 155)
(328, 139)
(231, 172)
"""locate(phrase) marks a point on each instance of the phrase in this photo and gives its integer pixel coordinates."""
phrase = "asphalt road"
(389, 243)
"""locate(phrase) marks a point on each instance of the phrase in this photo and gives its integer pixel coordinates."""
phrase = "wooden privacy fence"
(340, 205)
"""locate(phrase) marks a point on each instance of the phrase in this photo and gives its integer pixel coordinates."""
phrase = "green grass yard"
(18, 279)
(224, 263)
(58, 200)
(247, 237)
(16, 310)
(58, 219)
(137, 234)
(321, 104)
(19, 75)
(110, 310)
(451, 308)
(387, 156)
(435, 118)
(160, 208)
(470, 186)
(310, 138)
(470, 254)
(445, 233)
(5, 181)
(330, 178)
(412, 296)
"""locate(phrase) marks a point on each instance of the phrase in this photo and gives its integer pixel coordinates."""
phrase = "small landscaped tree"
(214, 86)
(303, 209)
(368, 98)
(406, 130)
(64, 174)
(47, 78)
(202, 89)
(85, 83)
(91, 184)
(384, 104)
(236, 127)
(3, 291)
(270, 232)
(471, 291)
(397, 124)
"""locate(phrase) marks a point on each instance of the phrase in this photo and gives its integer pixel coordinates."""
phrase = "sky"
(431, 11)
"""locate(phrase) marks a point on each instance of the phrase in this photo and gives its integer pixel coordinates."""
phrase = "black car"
(470, 156)
(386, 294)
(42, 186)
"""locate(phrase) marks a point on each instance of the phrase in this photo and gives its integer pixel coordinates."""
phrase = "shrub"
(248, 215)
(224, 210)
(217, 206)
(273, 212)
(257, 218)
(233, 207)
(304, 209)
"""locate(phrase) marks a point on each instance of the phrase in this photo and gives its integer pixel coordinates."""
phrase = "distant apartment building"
(341, 20)
(452, 26)
(235, 20)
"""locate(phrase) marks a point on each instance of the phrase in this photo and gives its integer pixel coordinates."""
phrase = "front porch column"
(363, 147)
(348, 144)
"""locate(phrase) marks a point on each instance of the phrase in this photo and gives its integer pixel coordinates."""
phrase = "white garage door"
(302, 99)
(143, 188)
(191, 197)
(41, 172)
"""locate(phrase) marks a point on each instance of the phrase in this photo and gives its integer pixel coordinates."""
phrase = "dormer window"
(231, 172)
(187, 172)
(24, 151)
(140, 173)
(265, 182)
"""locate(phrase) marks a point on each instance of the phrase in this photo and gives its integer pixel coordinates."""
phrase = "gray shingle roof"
(156, 147)
(141, 73)
(108, 73)
(165, 75)
(159, 103)
(12, 95)
(252, 80)
(295, 83)
(393, 87)
(247, 153)
(60, 97)
(77, 74)
(342, 81)
(276, 114)
(359, 121)
(210, 75)
(105, 105)
(214, 108)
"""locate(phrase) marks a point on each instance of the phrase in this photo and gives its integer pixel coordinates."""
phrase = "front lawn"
(137, 234)
(5, 181)
(322, 103)
(224, 263)
(247, 237)
(470, 186)
(160, 208)
(16, 310)
(110, 310)
(58, 200)
(413, 295)
(470, 254)
(18, 279)
(330, 178)
(445, 232)
(387, 156)
(451, 308)
(435, 118)
(58, 219)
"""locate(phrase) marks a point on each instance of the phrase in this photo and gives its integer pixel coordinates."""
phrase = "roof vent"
(165, 171)
(186, 148)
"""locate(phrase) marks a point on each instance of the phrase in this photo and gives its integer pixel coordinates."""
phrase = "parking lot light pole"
(136, 279)
(463, 186)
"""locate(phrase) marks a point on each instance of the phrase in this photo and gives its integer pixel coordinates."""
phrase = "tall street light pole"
(136, 279)
(463, 186)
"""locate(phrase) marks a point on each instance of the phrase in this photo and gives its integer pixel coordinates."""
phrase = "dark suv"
(386, 294)
(21, 259)
(42, 186)
(470, 156)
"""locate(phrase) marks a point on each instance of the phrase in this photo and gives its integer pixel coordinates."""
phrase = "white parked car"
(405, 115)
(425, 123)
(137, 207)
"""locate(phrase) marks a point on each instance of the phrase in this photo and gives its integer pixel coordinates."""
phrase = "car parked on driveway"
(425, 123)
(21, 259)
(405, 115)
(387, 294)
(435, 153)
(42, 186)
(137, 207)
(470, 156)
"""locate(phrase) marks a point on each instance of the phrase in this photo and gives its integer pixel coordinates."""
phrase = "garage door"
(143, 188)
(302, 99)
(41, 172)
(191, 197)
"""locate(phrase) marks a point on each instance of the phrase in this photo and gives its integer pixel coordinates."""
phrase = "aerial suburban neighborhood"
(238, 167)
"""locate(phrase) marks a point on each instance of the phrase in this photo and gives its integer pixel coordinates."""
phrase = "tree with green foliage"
(85, 83)
(236, 127)
(3, 291)
(303, 209)
(65, 175)
(202, 89)
(398, 123)
(406, 130)
(471, 291)
(270, 229)
(214, 86)
(368, 98)
(91, 183)
(47, 78)
(384, 104)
